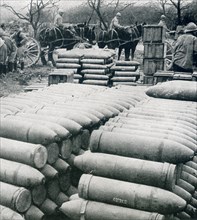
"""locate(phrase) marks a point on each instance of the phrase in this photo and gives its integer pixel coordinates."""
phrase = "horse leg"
(119, 52)
(133, 49)
(50, 55)
(42, 57)
(127, 53)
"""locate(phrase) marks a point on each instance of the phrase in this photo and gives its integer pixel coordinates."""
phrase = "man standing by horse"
(185, 50)
(11, 47)
(124, 37)
(3, 57)
(20, 40)
(58, 20)
(115, 23)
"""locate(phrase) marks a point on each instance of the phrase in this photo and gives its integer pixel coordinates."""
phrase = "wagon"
(32, 52)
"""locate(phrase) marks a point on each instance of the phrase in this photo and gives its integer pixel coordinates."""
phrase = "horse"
(122, 39)
(63, 37)
(86, 32)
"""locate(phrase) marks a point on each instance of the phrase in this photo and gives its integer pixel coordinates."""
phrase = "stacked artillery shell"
(92, 66)
(21, 179)
(125, 72)
(132, 155)
(43, 134)
(95, 66)
(70, 60)
(178, 89)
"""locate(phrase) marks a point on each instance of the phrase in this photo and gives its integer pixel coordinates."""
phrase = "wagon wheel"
(31, 52)
(169, 52)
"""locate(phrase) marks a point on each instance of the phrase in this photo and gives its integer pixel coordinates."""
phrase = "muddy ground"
(13, 83)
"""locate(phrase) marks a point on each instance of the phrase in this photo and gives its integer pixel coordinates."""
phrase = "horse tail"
(102, 39)
(91, 35)
(113, 39)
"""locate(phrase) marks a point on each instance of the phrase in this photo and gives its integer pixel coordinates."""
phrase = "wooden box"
(148, 80)
(151, 66)
(61, 76)
(153, 34)
(156, 50)
(194, 76)
(163, 76)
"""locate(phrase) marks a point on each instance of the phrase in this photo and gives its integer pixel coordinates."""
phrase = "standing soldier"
(162, 23)
(58, 20)
(20, 39)
(115, 23)
(185, 50)
(3, 56)
(11, 47)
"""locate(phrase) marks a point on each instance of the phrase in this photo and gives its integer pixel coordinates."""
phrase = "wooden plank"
(156, 50)
(151, 66)
(153, 34)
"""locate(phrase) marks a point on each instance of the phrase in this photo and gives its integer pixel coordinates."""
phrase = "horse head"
(70, 37)
(135, 32)
(90, 34)
(85, 32)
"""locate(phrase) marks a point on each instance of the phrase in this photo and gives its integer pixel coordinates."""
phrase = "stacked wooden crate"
(125, 72)
(154, 51)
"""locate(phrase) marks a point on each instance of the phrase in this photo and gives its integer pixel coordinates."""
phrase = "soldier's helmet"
(191, 27)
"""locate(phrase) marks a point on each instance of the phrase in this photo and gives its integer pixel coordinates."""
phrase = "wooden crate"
(148, 80)
(194, 76)
(60, 77)
(154, 34)
(163, 76)
(154, 50)
(151, 66)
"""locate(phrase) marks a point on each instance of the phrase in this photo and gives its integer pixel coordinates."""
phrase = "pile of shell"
(91, 66)
(70, 60)
(142, 165)
(125, 72)
(41, 134)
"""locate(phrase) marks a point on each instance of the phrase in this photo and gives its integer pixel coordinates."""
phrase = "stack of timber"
(92, 66)
(154, 51)
(70, 60)
(41, 133)
(95, 66)
(125, 72)
(142, 165)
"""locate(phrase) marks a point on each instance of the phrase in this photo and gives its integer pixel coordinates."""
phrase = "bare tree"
(163, 4)
(35, 10)
(179, 5)
(100, 6)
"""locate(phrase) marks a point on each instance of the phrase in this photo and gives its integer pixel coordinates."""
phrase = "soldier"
(3, 56)
(58, 20)
(20, 40)
(162, 23)
(11, 47)
(115, 24)
(185, 49)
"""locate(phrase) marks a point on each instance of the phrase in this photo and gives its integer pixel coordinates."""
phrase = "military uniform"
(3, 56)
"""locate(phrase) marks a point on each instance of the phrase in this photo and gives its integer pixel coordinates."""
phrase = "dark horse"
(64, 37)
(123, 39)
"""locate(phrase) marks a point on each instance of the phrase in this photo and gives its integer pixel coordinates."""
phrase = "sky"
(64, 4)
(20, 5)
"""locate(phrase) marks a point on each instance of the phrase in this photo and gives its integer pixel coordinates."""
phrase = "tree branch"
(19, 15)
